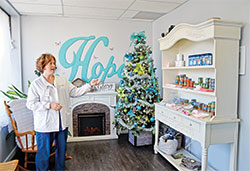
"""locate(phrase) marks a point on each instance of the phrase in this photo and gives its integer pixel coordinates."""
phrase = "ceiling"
(148, 10)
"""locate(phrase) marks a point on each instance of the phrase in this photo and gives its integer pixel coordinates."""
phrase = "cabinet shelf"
(188, 68)
(177, 162)
(190, 91)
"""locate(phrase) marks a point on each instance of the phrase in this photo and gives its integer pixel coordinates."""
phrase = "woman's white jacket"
(41, 93)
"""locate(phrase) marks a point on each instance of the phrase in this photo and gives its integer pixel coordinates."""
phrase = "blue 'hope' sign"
(85, 62)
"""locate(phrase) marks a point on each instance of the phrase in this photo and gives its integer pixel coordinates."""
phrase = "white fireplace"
(97, 105)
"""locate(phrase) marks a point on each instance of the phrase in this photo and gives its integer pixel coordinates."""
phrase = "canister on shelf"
(177, 82)
(178, 78)
(200, 106)
(192, 84)
(203, 85)
(182, 101)
(206, 85)
(213, 104)
(185, 83)
(200, 80)
(213, 111)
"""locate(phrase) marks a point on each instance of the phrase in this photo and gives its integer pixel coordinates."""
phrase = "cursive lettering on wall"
(77, 62)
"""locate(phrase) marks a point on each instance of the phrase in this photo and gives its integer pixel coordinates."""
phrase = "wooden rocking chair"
(26, 140)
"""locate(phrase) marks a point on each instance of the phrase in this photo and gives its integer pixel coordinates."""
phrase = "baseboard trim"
(11, 155)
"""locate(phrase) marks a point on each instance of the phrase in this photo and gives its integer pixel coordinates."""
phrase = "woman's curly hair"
(43, 60)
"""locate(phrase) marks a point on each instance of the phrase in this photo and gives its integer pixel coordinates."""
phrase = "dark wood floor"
(107, 155)
(116, 155)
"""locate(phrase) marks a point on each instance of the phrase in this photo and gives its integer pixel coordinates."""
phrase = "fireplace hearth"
(91, 119)
(96, 107)
(91, 124)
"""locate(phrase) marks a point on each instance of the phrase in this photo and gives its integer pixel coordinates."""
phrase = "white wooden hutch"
(221, 39)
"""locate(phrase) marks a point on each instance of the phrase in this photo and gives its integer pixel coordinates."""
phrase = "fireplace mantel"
(107, 98)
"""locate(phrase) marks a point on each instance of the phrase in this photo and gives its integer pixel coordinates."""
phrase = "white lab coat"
(42, 93)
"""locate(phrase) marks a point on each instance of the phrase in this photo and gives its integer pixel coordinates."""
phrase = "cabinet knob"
(190, 124)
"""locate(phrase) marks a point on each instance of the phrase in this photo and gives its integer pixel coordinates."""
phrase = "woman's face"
(50, 67)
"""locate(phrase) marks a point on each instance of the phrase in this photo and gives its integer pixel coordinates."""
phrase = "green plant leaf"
(9, 96)
(19, 92)
(15, 94)
(29, 83)
(11, 92)
(69, 134)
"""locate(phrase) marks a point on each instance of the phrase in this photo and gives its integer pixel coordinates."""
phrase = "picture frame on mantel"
(78, 82)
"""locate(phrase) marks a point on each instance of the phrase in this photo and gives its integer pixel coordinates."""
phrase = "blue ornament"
(129, 57)
(152, 119)
(135, 124)
(121, 82)
(131, 114)
(130, 73)
(136, 98)
(143, 126)
(138, 107)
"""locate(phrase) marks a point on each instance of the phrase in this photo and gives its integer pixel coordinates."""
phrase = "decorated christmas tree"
(138, 89)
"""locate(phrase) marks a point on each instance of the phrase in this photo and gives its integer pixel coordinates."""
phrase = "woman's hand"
(94, 82)
(55, 106)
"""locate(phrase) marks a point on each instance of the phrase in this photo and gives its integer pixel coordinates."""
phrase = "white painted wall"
(39, 35)
(13, 75)
(194, 12)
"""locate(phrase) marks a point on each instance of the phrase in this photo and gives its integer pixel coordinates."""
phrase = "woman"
(49, 99)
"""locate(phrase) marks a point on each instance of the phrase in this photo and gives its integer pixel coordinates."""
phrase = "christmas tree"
(138, 89)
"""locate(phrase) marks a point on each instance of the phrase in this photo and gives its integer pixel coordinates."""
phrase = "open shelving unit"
(177, 162)
(221, 39)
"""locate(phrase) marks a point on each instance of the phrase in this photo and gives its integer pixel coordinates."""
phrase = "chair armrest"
(32, 132)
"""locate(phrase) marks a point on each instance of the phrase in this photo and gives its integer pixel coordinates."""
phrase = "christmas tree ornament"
(141, 57)
(138, 107)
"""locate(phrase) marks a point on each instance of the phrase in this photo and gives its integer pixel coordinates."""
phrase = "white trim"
(92, 138)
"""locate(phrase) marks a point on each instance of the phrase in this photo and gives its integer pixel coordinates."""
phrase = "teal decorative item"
(76, 63)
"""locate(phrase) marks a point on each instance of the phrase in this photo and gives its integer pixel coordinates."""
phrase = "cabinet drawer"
(192, 126)
(173, 117)
(167, 115)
